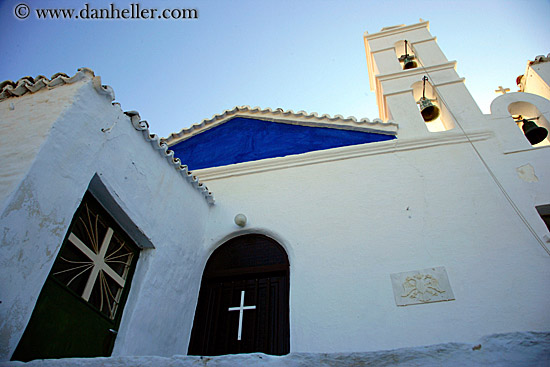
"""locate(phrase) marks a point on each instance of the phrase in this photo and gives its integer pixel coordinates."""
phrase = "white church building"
(271, 236)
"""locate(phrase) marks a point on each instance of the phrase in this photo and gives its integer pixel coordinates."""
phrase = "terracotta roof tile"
(168, 154)
(280, 115)
(29, 84)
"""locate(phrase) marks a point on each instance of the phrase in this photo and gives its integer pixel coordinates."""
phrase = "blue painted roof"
(245, 139)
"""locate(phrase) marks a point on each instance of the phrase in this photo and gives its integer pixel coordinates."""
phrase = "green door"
(80, 306)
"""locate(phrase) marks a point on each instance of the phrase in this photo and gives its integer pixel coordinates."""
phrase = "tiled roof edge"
(163, 150)
(279, 112)
(9, 89)
(539, 59)
(27, 84)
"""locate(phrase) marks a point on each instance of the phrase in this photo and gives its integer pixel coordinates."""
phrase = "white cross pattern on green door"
(80, 306)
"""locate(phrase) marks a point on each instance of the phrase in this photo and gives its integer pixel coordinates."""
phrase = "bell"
(534, 133)
(428, 110)
(408, 62)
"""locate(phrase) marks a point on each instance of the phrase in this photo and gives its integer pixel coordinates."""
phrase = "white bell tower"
(399, 85)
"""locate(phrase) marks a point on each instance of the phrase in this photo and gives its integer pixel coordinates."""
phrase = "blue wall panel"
(244, 139)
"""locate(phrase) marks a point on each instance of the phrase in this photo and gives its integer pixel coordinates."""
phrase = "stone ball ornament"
(240, 220)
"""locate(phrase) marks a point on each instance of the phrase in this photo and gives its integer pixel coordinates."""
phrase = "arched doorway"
(243, 302)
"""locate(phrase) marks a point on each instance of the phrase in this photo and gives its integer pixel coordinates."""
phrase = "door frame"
(218, 272)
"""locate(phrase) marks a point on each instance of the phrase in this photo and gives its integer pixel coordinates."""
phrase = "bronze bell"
(408, 62)
(428, 110)
(534, 133)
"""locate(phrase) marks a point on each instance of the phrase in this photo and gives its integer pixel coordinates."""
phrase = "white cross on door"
(241, 310)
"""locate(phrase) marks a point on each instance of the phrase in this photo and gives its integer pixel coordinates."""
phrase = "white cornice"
(407, 90)
(397, 30)
(416, 71)
(341, 153)
(415, 42)
(530, 149)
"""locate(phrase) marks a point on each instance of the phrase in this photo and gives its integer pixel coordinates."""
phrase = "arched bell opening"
(433, 111)
(405, 54)
(243, 304)
(532, 122)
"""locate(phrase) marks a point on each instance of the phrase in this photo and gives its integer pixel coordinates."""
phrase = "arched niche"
(399, 48)
(243, 304)
(528, 111)
(528, 106)
(445, 120)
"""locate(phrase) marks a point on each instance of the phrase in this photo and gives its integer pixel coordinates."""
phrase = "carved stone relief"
(421, 286)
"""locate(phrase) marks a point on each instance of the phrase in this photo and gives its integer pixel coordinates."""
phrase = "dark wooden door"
(78, 311)
(243, 302)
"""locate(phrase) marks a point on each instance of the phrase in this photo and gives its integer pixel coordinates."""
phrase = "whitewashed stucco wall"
(93, 137)
(347, 217)
(25, 124)
(348, 224)
(537, 79)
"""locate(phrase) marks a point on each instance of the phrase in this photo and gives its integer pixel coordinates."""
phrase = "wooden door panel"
(257, 266)
(261, 327)
(62, 325)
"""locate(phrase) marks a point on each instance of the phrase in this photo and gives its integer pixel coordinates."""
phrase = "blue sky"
(299, 55)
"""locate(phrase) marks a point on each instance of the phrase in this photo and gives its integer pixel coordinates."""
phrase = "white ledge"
(416, 71)
(392, 47)
(407, 90)
(341, 153)
(526, 149)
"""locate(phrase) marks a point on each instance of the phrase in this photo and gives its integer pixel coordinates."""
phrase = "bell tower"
(415, 84)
